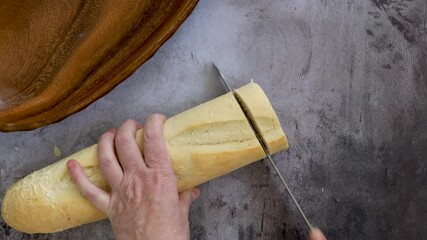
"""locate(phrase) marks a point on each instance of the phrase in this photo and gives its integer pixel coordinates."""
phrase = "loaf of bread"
(204, 142)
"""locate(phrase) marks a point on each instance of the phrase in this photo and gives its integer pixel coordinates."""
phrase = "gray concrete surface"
(348, 79)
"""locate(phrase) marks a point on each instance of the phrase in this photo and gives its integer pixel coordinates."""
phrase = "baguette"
(205, 142)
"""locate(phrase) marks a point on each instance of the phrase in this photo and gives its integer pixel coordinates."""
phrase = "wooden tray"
(58, 56)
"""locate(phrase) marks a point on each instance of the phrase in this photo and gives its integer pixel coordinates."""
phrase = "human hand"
(316, 234)
(144, 202)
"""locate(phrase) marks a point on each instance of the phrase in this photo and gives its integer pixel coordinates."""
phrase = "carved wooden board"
(58, 56)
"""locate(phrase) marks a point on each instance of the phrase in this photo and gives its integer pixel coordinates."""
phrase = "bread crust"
(205, 142)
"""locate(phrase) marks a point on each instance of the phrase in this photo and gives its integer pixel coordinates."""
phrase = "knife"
(264, 147)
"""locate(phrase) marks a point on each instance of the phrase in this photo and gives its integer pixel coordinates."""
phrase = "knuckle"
(133, 190)
(75, 178)
(122, 140)
(89, 194)
(106, 135)
(158, 154)
(134, 173)
(152, 135)
(159, 178)
(132, 124)
(105, 162)
(158, 116)
(129, 122)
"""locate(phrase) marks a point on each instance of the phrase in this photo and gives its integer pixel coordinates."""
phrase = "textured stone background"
(348, 79)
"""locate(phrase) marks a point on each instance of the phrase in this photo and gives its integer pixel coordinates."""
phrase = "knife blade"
(264, 147)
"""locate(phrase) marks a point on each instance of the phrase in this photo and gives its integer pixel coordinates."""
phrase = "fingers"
(98, 197)
(186, 199)
(155, 151)
(108, 162)
(316, 234)
(129, 155)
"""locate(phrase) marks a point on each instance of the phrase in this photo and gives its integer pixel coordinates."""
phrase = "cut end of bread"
(263, 117)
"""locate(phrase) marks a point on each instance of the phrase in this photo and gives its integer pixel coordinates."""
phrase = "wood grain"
(58, 56)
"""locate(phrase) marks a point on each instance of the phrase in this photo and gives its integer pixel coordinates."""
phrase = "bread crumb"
(57, 151)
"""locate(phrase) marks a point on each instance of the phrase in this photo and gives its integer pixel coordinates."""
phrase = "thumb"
(316, 234)
(186, 198)
(98, 197)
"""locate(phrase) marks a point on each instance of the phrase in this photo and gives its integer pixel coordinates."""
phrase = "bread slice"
(204, 142)
(262, 115)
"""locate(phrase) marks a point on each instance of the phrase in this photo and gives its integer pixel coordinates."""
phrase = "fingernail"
(158, 117)
(316, 234)
(195, 193)
(70, 164)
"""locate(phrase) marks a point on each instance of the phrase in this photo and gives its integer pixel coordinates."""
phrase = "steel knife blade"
(264, 147)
